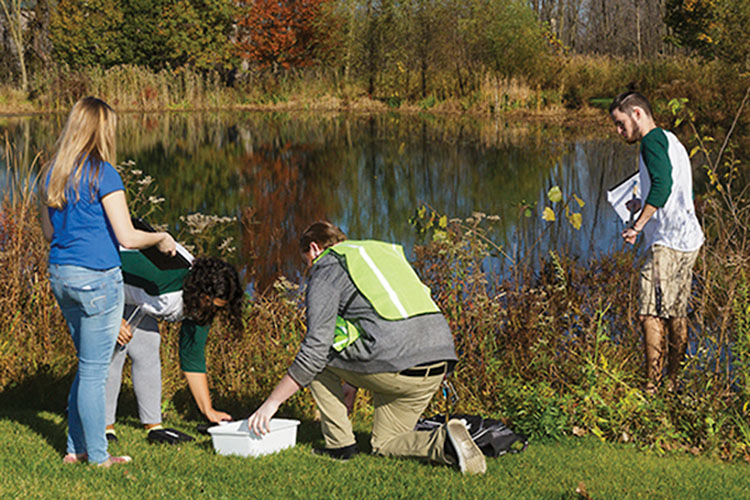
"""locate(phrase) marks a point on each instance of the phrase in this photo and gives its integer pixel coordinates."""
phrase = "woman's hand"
(167, 244)
(125, 335)
(217, 416)
(118, 215)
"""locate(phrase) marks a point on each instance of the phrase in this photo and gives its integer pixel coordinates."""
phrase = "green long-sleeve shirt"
(159, 293)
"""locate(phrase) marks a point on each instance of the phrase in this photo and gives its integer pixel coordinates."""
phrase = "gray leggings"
(143, 350)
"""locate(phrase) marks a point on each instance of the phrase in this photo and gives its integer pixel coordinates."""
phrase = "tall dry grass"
(565, 82)
(33, 337)
(127, 87)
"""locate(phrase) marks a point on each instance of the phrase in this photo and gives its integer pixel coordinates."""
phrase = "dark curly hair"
(210, 278)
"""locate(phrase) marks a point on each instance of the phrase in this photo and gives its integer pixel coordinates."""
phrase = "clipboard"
(181, 260)
(621, 193)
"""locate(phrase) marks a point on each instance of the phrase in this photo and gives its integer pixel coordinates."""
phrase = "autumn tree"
(87, 33)
(425, 22)
(713, 28)
(507, 37)
(615, 27)
(176, 33)
(152, 33)
(200, 32)
(277, 34)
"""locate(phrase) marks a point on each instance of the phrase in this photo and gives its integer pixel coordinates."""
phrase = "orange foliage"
(277, 33)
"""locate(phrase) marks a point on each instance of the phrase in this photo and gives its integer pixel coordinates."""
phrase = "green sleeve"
(655, 152)
(193, 347)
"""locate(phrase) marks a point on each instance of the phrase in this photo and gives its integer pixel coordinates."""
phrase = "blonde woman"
(84, 218)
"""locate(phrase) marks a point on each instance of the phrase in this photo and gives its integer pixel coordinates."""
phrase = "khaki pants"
(675, 274)
(399, 401)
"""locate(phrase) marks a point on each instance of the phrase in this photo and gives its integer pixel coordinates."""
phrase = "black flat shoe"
(344, 453)
(169, 436)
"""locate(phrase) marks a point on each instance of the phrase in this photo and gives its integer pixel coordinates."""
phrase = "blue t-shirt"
(83, 235)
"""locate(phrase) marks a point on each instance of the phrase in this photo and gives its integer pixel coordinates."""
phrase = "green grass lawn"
(32, 444)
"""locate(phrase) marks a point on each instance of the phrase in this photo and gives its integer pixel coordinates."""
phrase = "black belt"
(425, 372)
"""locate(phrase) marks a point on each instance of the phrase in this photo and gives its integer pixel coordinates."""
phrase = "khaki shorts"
(675, 272)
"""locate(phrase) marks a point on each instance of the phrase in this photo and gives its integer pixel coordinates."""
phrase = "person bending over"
(193, 296)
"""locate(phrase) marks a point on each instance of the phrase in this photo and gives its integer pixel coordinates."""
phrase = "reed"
(566, 82)
(32, 330)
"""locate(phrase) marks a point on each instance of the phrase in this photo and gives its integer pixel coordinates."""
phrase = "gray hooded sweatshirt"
(383, 346)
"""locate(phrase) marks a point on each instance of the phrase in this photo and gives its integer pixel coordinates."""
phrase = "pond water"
(277, 172)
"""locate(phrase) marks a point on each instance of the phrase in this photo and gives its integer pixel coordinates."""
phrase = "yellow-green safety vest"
(382, 274)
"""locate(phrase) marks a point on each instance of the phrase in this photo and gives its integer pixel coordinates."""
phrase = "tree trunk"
(350, 40)
(639, 48)
(12, 11)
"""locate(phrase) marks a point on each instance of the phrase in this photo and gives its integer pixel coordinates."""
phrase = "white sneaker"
(470, 457)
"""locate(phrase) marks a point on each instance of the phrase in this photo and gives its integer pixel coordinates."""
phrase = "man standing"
(372, 323)
(671, 231)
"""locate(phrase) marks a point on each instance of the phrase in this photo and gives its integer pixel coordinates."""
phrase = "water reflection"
(366, 173)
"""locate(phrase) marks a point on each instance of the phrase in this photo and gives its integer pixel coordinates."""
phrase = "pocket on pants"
(98, 294)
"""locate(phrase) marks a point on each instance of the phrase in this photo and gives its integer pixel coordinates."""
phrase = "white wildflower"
(146, 181)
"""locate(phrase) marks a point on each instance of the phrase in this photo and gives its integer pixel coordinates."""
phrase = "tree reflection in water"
(277, 172)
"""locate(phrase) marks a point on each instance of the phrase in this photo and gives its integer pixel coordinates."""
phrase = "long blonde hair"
(89, 134)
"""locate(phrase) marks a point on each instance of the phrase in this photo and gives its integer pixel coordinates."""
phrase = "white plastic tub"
(235, 438)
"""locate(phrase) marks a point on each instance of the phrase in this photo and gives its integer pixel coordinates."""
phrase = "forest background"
(482, 56)
(575, 365)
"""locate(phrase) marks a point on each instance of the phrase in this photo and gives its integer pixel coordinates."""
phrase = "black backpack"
(491, 436)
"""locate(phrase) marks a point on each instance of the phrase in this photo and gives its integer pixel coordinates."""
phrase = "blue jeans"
(92, 303)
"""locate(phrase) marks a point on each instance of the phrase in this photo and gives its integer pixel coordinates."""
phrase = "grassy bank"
(572, 468)
(575, 83)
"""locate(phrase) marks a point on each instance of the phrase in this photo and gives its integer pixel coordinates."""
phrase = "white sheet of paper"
(183, 251)
(625, 191)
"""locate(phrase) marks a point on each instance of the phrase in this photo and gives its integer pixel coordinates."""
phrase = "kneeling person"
(192, 296)
(396, 344)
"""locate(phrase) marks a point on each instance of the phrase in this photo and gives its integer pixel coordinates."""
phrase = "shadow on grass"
(47, 391)
(54, 433)
(309, 433)
(44, 391)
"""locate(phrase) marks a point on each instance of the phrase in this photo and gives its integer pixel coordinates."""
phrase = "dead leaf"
(581, 490)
